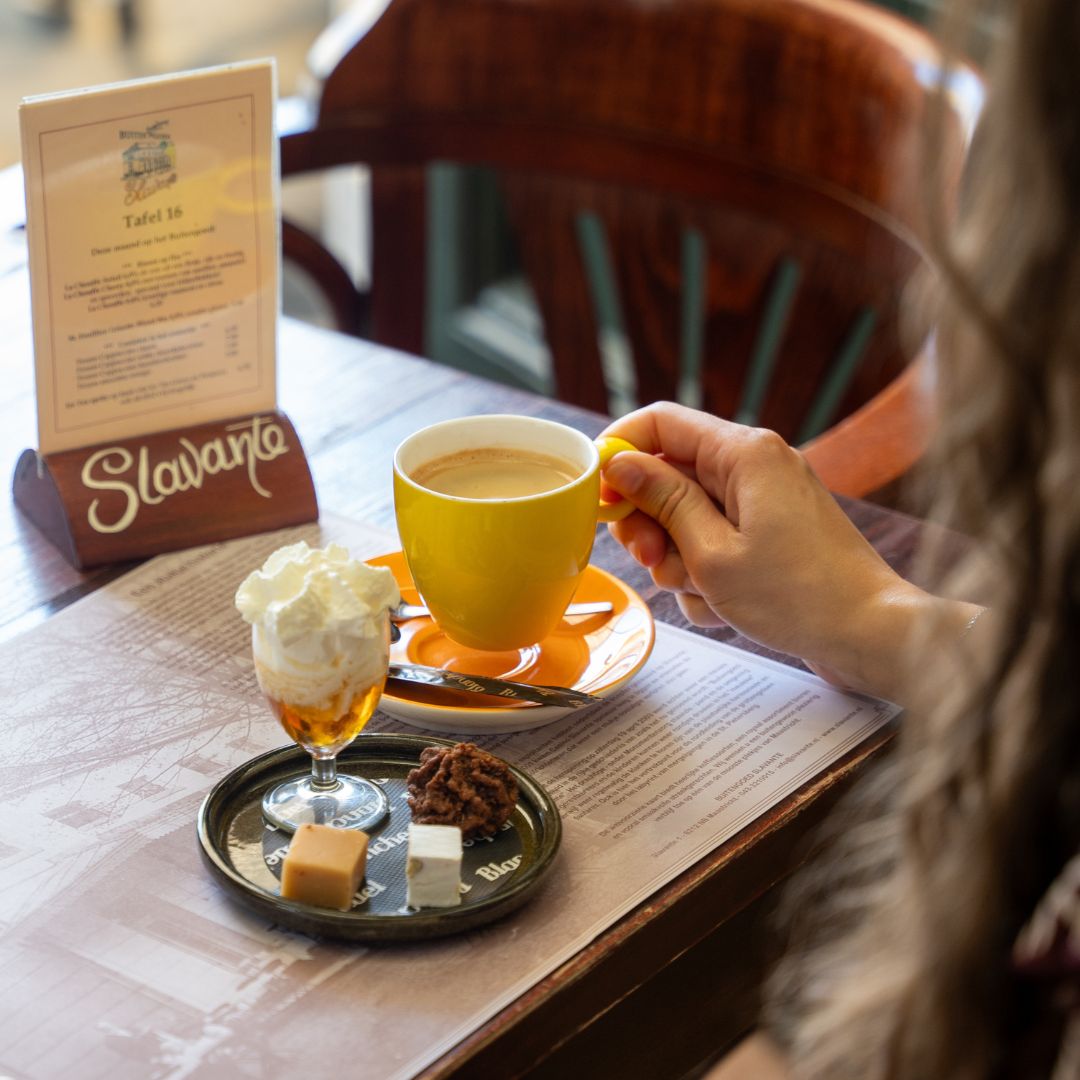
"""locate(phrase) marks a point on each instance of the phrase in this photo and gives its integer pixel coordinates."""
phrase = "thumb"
(679, 504)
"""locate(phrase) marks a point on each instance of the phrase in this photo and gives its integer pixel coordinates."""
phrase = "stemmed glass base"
(326, 797)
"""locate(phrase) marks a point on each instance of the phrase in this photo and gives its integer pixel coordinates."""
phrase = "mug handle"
(609, 446)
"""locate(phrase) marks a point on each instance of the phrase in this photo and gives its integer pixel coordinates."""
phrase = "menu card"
(121, 956)
(153, 239)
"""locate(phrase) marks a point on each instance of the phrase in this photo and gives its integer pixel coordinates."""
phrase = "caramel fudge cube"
(324, 866)
(433, 866)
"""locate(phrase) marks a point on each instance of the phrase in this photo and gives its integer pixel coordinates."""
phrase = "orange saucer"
(593, 653)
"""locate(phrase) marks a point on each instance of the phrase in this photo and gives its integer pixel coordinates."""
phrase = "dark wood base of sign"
(174, 489)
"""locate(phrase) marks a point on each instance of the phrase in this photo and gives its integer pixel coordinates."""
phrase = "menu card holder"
(132, 498)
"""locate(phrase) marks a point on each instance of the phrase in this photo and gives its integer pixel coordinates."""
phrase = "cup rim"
(488, 419)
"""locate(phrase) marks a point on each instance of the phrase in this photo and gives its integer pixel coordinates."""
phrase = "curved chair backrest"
(735, 187)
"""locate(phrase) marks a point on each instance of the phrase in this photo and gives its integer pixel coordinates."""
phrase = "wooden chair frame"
(399, 91)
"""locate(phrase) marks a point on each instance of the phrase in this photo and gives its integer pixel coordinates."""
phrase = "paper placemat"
(120, 956)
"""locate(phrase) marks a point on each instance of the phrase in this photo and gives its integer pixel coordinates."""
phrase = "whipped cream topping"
(318, 620)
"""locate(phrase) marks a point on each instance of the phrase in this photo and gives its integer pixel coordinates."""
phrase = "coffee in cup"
(497, 516)
(493, 472)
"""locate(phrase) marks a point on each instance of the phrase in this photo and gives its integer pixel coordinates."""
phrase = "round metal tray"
(245, 853)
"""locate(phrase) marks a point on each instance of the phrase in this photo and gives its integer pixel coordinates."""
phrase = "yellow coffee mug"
(498, 573)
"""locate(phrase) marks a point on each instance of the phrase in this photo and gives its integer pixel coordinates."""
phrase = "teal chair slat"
(767, 346)
(692, 317)
(444, 225)
(615, 356)
(838, 378)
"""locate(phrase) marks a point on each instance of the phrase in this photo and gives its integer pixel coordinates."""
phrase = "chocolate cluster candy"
(462, 785)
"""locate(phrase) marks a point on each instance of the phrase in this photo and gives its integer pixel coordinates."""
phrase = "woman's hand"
(734, 522)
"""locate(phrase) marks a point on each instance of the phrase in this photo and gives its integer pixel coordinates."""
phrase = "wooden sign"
(173, 489)
(152, 220)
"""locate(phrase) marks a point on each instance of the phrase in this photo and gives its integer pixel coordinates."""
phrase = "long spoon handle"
(403, 612)
(483, 684)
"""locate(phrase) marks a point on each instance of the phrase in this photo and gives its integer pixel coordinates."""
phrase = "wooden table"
(677, 978)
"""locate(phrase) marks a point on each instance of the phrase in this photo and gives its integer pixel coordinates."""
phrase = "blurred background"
(48, 45)
(483, 318)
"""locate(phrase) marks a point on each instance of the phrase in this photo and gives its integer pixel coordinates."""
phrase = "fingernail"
(624, 474)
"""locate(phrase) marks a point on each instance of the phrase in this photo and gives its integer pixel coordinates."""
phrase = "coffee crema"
(495, 473)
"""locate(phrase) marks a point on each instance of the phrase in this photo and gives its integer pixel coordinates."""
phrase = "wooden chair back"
(735, 185)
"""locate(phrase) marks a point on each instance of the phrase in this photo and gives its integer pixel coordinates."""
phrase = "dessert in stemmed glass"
(320, 635)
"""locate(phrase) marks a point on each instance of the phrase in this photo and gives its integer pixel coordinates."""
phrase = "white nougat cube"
(433, 866)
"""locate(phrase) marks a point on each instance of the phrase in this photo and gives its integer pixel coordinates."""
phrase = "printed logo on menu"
(149, 161)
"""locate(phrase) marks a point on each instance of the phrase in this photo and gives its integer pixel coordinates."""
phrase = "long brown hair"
(903, 968)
